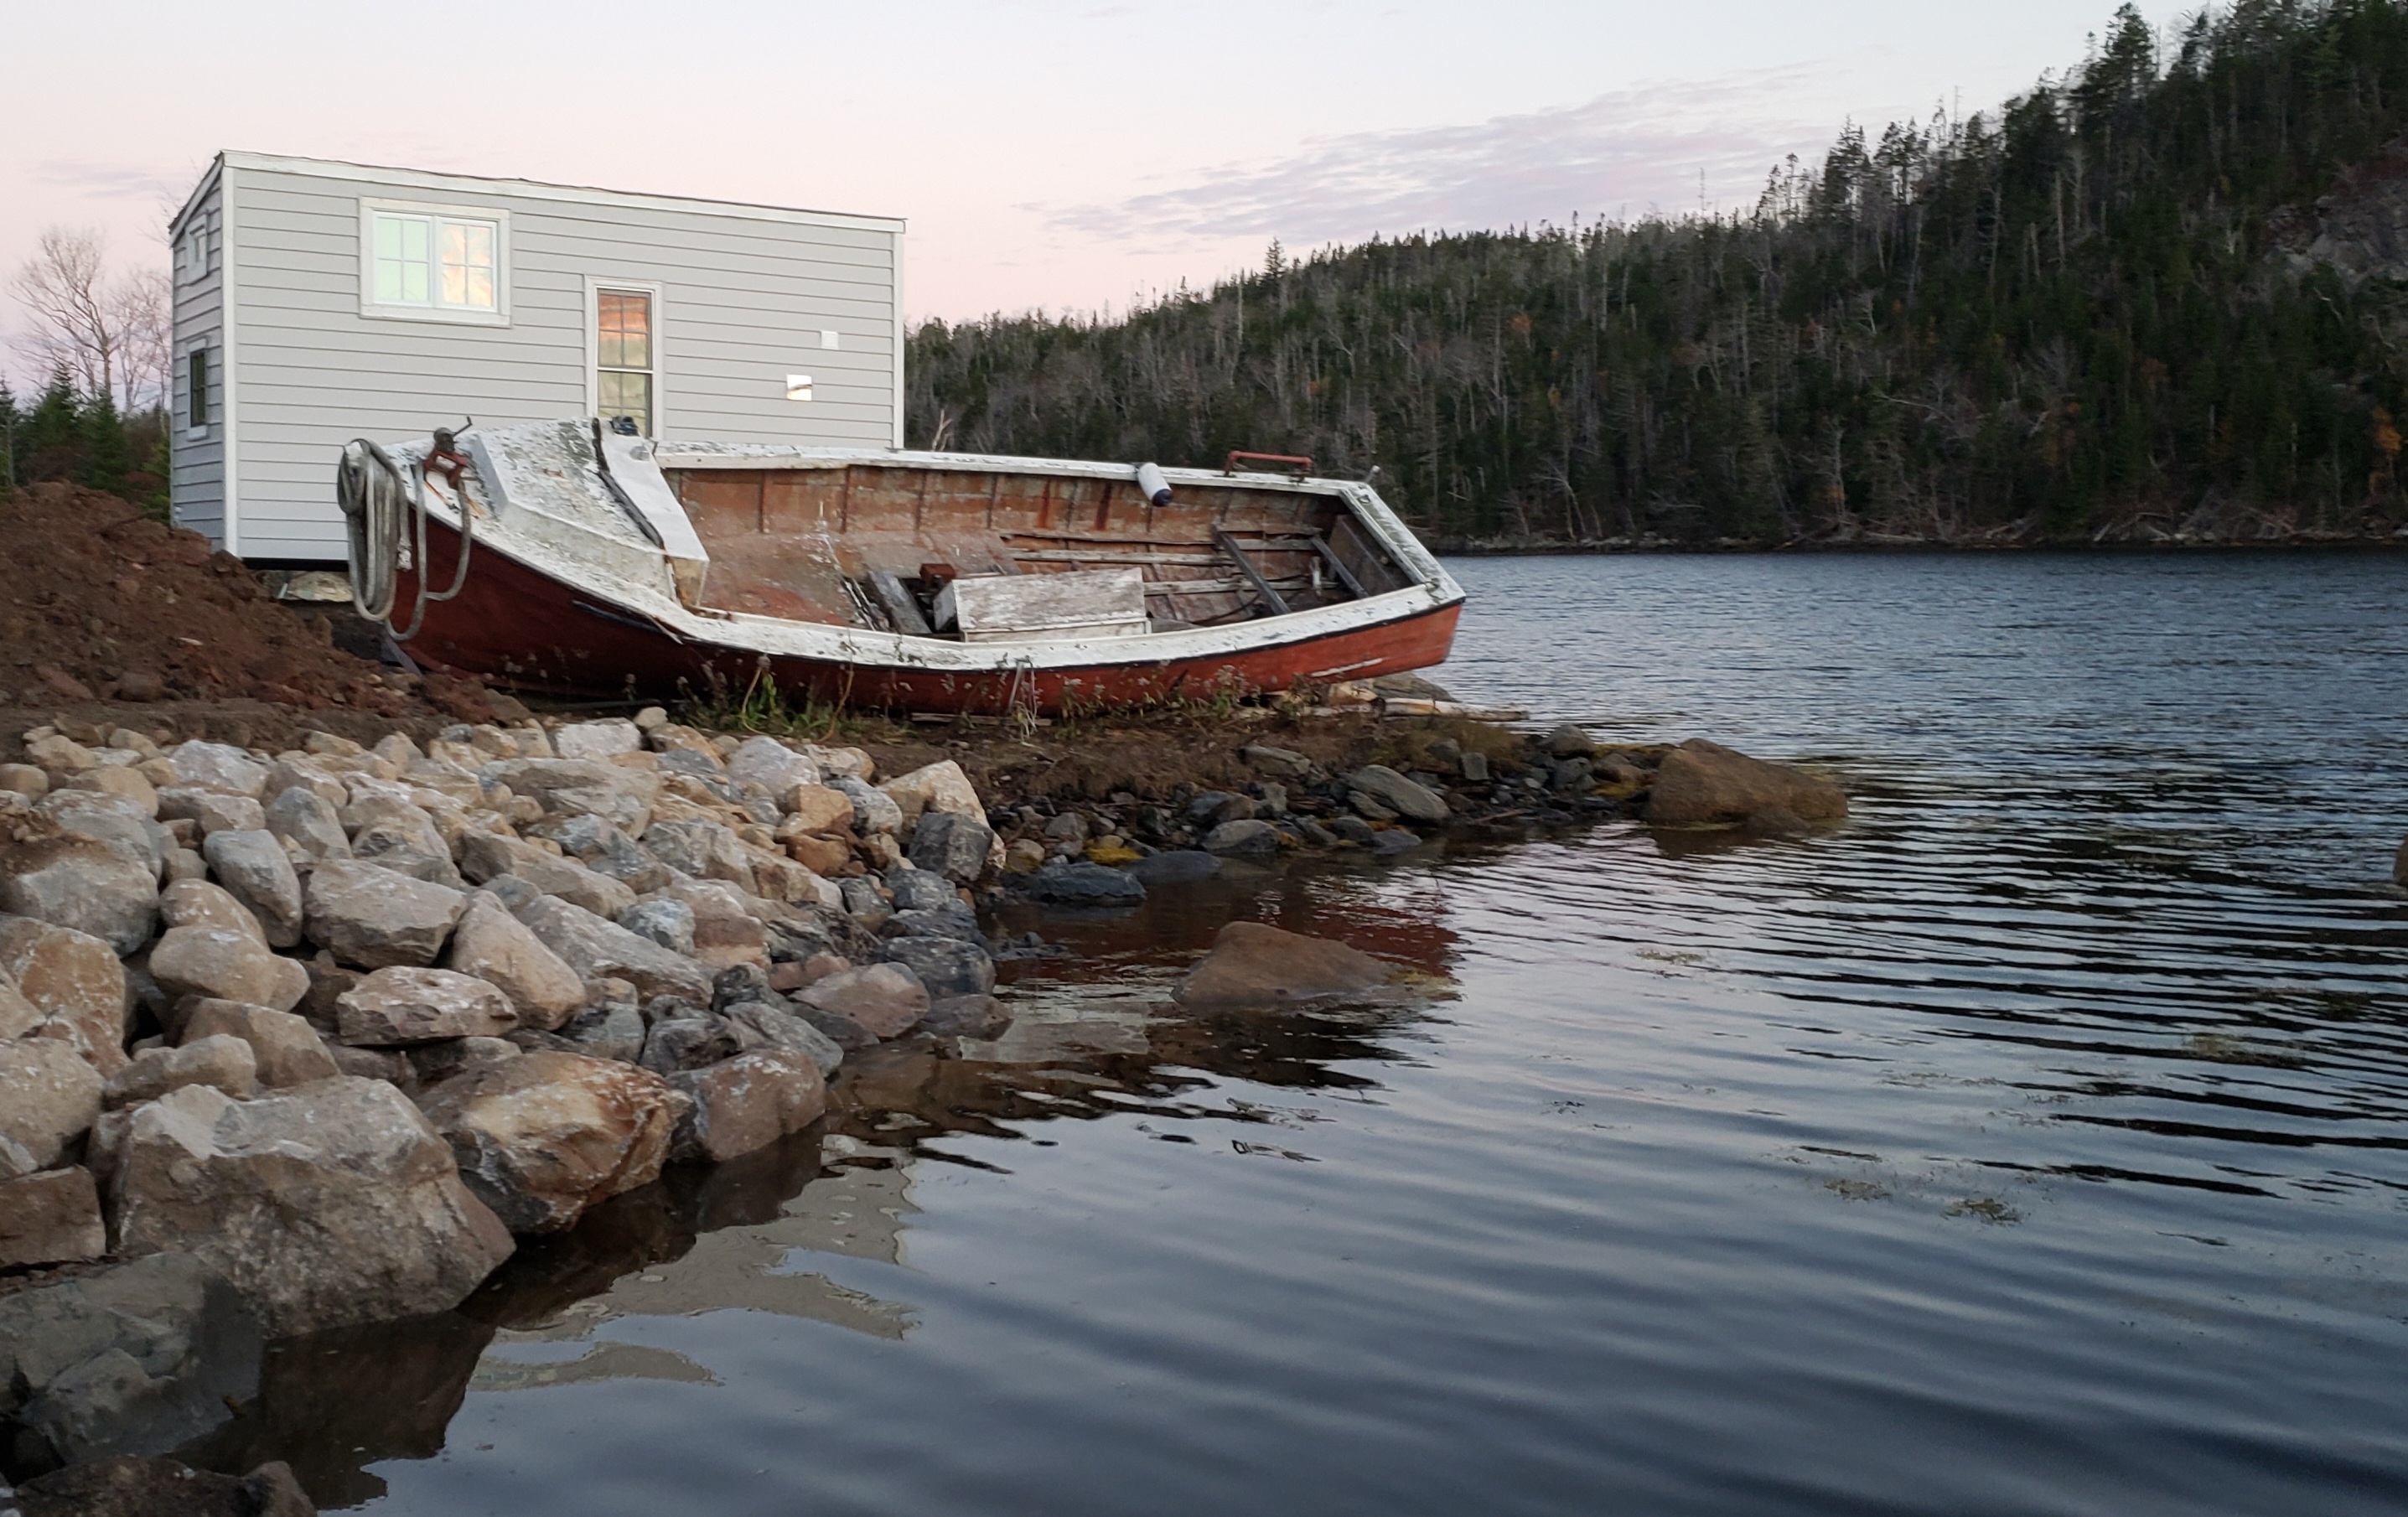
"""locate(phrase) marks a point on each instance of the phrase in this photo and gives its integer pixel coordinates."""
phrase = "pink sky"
(1068, 156)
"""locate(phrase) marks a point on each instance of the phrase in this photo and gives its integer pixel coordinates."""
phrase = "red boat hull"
(519, 627)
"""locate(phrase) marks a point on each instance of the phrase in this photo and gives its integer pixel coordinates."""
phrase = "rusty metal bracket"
(1298, 465)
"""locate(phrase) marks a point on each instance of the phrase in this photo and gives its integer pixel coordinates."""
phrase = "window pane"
(623, 327)
(403, 277)
(621, 394)
(469, 263)
(197, 385)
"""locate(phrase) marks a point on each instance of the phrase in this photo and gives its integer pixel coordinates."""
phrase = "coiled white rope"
(380, 502)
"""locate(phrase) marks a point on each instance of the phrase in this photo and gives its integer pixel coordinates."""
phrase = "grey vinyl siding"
(196, 464)
(742, 303)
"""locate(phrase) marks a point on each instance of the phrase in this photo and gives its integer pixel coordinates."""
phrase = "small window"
(623, 362)
(196, 389)
(431, 264)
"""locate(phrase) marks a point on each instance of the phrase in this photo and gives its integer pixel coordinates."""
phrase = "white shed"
(317, 301)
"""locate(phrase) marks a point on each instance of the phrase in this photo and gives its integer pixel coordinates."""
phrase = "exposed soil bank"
(99, 602)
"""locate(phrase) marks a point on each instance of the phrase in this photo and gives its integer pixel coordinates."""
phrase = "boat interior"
(993, 555)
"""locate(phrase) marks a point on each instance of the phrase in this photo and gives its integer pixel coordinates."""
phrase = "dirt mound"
(99, 602)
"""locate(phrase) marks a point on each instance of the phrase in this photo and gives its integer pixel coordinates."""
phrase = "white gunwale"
(652, 597)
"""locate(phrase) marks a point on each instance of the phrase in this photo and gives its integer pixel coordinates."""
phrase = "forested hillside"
(2163, 294)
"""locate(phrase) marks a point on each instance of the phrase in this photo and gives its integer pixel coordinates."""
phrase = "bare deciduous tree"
(110, 336)
(142, 300)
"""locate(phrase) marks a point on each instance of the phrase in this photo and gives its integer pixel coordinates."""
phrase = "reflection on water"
(2033, 1144)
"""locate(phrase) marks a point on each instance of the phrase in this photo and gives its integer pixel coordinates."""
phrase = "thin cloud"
(1625, 152)
(114, 181)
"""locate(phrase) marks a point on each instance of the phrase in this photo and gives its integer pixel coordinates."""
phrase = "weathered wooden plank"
(1271, 598)
(1096, 603)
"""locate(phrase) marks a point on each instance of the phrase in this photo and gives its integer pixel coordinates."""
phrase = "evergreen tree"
(2093, 313)
(104, 466)
(52, 441)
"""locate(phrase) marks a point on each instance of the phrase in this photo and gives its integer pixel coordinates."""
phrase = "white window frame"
(197, 431)
(453, 315)
(595, 285)
(193, 251)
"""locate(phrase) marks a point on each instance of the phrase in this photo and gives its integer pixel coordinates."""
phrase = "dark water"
(2034, 1145)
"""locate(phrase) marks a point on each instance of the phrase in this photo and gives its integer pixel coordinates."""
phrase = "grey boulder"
(374, 918)
(1408, 798)
(254, 869)
(390, 1230)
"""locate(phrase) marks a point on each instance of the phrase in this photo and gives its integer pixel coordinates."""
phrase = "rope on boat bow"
(379, 501)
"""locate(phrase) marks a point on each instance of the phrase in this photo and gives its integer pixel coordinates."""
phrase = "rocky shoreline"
(309, 1037)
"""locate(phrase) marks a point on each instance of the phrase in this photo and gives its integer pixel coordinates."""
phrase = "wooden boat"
(604, 563)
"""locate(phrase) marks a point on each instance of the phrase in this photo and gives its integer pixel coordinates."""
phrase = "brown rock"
(397, 1007)
(499, 948)
(725, 930)
(794, 975)
(219, 1062)
(18, 1015)
(385, 1228)
(50, 1218)
(827, 857)
(1704, 784)
(31, 784)
(197, 903)
(813, 808)
(746, 1103)
(49, 1097)
(1252, 964)
(542, 1136)
(390, 1064)
(284, 1048)
(121, 780)
(434, 1063)
(226, 964)
(75, 981)
(882, 1000)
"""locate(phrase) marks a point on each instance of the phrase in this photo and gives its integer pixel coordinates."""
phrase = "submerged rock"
(127, 1486)
(977, 1017)
(136, 1359)
(1701, 783)
(1176, 866)
(1252, 964)
(1087, 884)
